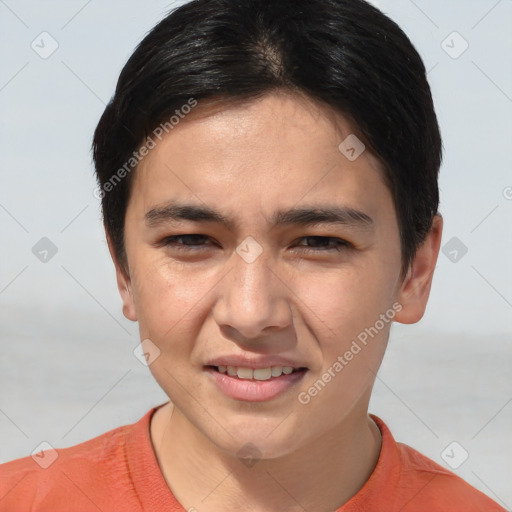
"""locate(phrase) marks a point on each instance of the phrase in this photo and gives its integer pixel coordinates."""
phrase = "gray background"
(67, 371)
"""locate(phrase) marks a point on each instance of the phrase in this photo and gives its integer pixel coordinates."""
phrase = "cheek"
(342, 303)
(171, 312)
(346, 307)
(168, 298)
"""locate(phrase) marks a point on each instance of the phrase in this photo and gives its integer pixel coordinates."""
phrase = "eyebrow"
(310, 215)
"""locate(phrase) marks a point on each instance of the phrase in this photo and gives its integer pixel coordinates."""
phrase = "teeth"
(262, 373)
(244, 373)
(276, 371)
(256, 373)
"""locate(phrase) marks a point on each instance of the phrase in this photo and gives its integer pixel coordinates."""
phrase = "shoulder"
(422, 484)
(407, 481)
(439, 481)
(83, 474)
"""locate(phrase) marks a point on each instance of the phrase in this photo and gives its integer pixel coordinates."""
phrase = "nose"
(254, 300)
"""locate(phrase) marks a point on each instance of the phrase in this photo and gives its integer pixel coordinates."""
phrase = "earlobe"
(415, 290)
(124, 286)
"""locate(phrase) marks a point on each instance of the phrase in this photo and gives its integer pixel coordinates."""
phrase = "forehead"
(281, 148)
(254, 119)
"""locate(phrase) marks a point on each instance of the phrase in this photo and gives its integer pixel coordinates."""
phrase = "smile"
(255, 384)
(256, 373)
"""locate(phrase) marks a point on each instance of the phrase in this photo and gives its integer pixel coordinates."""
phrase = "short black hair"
(343, 53)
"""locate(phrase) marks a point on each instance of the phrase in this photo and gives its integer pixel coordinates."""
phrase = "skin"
(249, 160)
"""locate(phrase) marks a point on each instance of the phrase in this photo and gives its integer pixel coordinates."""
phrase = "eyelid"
(341, 244)
(344, 244)
(168, 240)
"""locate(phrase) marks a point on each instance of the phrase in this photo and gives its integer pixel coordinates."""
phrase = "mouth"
(248, 373)
(255, 384)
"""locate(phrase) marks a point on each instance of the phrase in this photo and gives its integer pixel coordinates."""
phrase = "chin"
(260, 438)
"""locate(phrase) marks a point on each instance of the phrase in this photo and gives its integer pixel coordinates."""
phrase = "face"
(255, 243)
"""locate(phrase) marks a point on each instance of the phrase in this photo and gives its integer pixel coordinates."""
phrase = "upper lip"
(253, 361)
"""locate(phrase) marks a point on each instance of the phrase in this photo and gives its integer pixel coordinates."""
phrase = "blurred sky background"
(67, 371)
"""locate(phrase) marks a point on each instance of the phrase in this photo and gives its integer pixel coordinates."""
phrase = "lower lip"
(251, 390)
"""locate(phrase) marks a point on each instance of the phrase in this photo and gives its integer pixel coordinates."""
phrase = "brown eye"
(185, 242)
(324, 243)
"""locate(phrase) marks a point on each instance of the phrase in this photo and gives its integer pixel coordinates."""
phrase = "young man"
(268, 175)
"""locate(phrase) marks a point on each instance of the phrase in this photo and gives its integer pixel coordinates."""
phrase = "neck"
(321, 476)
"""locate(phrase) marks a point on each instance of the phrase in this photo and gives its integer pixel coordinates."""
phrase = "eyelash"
(341, 244)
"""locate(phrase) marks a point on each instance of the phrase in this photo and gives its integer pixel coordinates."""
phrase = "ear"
(123, 285)
(414, 291)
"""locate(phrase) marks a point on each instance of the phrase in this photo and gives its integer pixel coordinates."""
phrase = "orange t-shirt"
(118, 471)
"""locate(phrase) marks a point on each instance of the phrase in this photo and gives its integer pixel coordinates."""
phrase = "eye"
(314, 243)
(320, 243)
(185, 242)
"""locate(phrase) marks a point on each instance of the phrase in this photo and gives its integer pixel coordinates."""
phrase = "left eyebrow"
(311, 215)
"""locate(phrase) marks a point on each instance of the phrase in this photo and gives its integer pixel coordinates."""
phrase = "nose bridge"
(252, 276)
